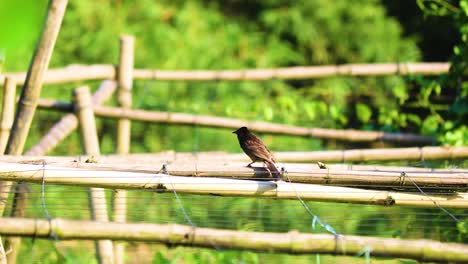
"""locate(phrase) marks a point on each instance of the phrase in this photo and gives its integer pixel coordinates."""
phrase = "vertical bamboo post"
(30, 94)
(125, 81)
(8, 113)
(3, 259)
(84, 111)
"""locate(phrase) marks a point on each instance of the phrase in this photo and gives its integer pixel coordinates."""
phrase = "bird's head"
(241, 131)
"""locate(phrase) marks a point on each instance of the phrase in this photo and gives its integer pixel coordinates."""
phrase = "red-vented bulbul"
(256, 150)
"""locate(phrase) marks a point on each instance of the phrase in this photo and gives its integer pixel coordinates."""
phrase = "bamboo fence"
(84, 111)
(74, 73)
(231, 123)
(161, 182)
(28, 103)
(292, 242)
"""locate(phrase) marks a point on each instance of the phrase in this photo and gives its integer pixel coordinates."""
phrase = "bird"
(254, 147)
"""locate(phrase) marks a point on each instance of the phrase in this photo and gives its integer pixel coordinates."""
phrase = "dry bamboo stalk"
(227, 187)
(292, 242)
(28, 100)
(8, 112)
(231, 123)
(296, 72)
(84, 111)
(125, 81)
(71, 73)
(69, 122)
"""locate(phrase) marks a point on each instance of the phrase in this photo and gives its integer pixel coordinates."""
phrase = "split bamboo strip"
(69, 122)
(8, 112)
(292, 242)
(307, 72)
(28, 100)
(226, 187)
(84, 111)
(231, 123)
(102, 71)
(125, 81)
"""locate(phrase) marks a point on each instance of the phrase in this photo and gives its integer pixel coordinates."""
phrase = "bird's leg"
(250, 164)
(266, 167)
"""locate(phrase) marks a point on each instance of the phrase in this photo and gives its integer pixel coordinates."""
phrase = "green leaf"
(363, 112)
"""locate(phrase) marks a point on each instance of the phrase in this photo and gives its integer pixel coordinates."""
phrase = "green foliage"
(449, 121)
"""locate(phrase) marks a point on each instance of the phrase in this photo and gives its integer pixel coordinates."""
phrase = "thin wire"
(182, 209)
(403, 174)
(44, 206)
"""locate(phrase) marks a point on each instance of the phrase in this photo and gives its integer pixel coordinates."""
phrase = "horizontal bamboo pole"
(209, 160)
(71, 73)
(335, 175)
(227, 187)
(292, 242)
(382, 154)
(306, 72)
(74, 73)
(231, 123)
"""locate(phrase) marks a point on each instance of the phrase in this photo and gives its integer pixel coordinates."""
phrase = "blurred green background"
(234, 34)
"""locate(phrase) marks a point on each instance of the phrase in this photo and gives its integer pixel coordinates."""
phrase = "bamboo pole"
(28, 102)
(335, 174)
(231, 123)
(3, 259)
(308, 72)
(198, 163)
(125, 81)
(227, 187)
(8, 112)
(71, 73)
(292, 242)
(69, 122)
(84, 111)
(94, 72)
(382, 154)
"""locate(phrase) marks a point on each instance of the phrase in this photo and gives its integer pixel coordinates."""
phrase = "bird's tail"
(274, 172)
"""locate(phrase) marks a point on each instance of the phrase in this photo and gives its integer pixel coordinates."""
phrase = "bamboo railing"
(227, 187)
(292, 242)
(101, 71)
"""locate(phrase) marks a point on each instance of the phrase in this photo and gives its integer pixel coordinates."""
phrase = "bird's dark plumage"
(256, 150)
